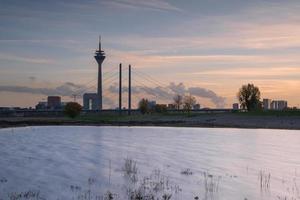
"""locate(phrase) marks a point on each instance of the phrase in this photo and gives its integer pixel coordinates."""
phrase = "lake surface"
(86, 162)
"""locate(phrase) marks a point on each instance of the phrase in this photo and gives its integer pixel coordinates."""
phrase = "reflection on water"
(172, 163)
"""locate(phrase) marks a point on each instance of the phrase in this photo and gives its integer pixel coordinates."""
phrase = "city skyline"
(208, 45)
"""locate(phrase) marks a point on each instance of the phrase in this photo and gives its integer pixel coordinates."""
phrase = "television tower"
(99, 56)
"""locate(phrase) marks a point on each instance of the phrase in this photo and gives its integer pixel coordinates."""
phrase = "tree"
(178, 101)
(249, 97)
(160, 108)
(72, 109)
(144, 106)
(189, 101)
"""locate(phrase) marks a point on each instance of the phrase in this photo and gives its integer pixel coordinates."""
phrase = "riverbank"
(230, 120)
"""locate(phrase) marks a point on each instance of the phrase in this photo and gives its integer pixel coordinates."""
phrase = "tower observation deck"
(99, 56)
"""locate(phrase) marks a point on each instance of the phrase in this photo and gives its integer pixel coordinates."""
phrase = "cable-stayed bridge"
(143, 85)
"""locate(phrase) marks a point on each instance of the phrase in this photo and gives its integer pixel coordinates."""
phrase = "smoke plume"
(172, 89)
(159, 93)
(66, 89)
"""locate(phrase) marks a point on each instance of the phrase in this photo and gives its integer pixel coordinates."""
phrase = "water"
(65, 162)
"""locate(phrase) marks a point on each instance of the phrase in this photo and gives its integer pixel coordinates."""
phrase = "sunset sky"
(212, 46)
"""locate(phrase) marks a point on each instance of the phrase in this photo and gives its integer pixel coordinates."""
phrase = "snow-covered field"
(118, 162)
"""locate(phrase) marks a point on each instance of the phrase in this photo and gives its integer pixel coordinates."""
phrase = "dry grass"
(264, 179)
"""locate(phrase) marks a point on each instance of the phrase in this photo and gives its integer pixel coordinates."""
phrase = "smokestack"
(120, 88)
(129, 90)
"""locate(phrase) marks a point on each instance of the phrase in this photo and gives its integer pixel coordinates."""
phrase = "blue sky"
(211, 44)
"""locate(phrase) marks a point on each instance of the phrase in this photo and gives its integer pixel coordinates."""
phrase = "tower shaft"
(129, 90)
(99, 56)
(120, 88)
(99, 89)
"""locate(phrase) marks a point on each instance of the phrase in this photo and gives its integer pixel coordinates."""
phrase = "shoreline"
(204, 121)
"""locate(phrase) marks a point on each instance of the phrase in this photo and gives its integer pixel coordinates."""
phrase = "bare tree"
(249, 97)
(189, 101)
(72, 109)
(178, 101)
(144, 106)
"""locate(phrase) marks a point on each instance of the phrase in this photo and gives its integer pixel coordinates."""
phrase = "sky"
(208, 48)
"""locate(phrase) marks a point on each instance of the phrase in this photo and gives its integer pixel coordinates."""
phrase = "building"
(99, 56)
(151, 104)
(42, 105)
(267, 104)
(282, 105)
(4, 109)
(196, 106)
(54, 102)
(235, 106)
(161, 108)
(90, 101)
(63, 104)
(93, 101)
(279, 105)
(171, 106)
(274, 105)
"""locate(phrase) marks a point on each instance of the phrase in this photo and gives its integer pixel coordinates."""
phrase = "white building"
(267, 104)
(279, 105)
(282, 105)
(274, 105)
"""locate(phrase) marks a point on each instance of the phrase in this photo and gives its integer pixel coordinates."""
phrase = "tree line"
(248, 96)
(180, 102)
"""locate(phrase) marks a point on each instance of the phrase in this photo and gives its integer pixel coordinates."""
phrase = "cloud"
(254, 73)
(66, 89)
(25, 59)
(246, 36)
(32, 78)
(156, 5)
(205, 93)
(144, 60)
(199, 92)
(66, 44)
(168, 92)
(108, 102)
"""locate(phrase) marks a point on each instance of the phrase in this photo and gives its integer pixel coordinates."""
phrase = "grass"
(270, 113)
(138, 117)
(187, 172)
(155, 186)
(27, 195)
(211, 184)
(169, 116)
(125, 118)
(177, 119)
(264, 179)
(130, 170)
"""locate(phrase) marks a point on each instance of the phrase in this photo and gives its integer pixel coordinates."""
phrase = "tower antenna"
(99, 42)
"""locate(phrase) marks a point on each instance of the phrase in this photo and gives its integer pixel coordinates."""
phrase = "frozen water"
(66, 161)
